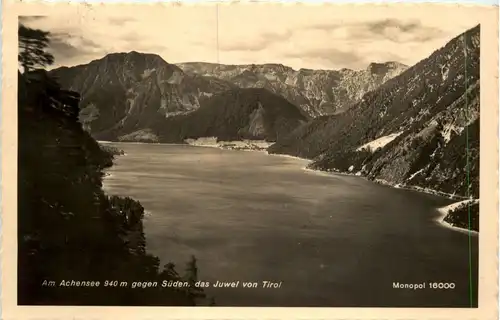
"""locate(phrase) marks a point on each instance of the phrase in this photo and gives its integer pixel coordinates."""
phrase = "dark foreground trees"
(32, 48)
(68, 229)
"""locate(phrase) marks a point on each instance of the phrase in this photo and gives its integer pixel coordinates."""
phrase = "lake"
(328, 240)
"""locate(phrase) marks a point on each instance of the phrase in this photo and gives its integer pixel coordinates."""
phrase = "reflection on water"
(331, 240)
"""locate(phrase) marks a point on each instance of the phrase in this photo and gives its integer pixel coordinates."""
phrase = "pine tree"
(33, 44)
(169, 272)
(191, 276)
(87, 115)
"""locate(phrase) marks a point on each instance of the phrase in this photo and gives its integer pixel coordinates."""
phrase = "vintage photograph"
(249, 156)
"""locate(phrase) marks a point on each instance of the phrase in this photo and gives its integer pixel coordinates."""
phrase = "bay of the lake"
(329, 240)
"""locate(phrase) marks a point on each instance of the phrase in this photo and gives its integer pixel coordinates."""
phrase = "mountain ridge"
(318, 92)
(237, 114)
(418, 123)
(127, 91)
(191, 66)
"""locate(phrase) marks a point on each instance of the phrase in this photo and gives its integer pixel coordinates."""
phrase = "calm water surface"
(331, 240)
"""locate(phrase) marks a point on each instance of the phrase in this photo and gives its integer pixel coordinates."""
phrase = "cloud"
(379, 27)
(334, 44)
(262, 41)
(27, 19)
(399, 31)
(325, 26)
(328, 56)
(299, 36)
(120, 21)
(65, 46)
(396, 30)
(131, 37)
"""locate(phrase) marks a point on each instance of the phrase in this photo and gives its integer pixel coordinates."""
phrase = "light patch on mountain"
(437, 121)
(379, 142)
(132, 90)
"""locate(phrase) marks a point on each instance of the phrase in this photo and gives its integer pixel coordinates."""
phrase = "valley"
(403, 126)
(255, 181)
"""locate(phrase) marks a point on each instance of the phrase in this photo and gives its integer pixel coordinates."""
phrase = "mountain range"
(412, 130)
(419, 130)
(416, 127)
(236, 114)
(124, 93)
(318, 92)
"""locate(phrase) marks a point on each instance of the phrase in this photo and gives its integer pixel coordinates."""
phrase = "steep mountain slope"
(68, 229)
(231, 115)
(315, 91)
(123, 92)
(413, 130)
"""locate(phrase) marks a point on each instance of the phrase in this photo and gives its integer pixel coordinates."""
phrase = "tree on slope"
(33, 44)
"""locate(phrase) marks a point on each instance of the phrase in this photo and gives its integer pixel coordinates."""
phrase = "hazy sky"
(300, 36)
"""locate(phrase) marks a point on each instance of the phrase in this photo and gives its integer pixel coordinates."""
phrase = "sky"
(296, 35)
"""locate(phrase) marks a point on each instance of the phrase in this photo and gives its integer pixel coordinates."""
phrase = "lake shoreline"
(441, 216)
(440, 211)
(216, 203)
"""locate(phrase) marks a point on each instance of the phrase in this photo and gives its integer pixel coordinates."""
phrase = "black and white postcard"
(319, 160)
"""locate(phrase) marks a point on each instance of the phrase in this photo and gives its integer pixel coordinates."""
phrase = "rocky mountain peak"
(410, 131)
(128, 90)
(132, 55)
(376, 68)
(317, 92)
(139, 60)
(272, 67)
(473, 35)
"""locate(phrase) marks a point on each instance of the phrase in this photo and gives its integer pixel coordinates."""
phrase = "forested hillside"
(234, 115)
(420, 129)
